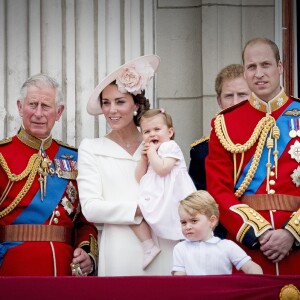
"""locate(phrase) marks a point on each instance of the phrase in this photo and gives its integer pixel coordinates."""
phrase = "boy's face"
(198, 227)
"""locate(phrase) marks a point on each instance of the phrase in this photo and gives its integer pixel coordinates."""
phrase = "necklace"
(125, 144)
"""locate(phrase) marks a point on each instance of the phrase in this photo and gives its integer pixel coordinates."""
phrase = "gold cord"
(260, 133)
(30, 171)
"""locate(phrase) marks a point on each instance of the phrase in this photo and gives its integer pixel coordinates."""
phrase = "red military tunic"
(235, 128)
(59, 207)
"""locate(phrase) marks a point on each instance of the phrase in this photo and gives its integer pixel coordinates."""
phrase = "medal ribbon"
(39, 211)
(283, 141)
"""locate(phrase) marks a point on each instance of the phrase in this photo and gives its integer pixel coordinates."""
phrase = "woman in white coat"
(106, 166)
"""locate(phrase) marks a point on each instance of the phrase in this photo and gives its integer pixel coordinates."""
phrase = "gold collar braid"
(30, 171)
(265, 126)
(32, 141)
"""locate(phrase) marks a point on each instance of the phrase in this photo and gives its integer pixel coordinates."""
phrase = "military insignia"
(280, 101)
(197, 142)
(295, 151)
(67, 156)
(5, 141)
(296, 177)
(65, 168)
(294, 112)
(250, 218)
(68, 206)
(71, 192)
(65, 144)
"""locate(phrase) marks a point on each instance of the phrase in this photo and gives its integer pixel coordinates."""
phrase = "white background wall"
(80, 41)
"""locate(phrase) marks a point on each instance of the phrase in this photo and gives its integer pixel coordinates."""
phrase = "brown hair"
(227, 73)
(158, 111)
(200, 202)
(264, 41)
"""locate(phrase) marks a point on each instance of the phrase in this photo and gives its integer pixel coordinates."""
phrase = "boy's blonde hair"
(156, 111)
(200, 202)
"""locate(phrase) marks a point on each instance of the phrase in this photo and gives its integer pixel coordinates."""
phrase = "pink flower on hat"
(134, 79)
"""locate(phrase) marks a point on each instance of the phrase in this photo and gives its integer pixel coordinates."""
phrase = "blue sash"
(38, 211)
(260, 175)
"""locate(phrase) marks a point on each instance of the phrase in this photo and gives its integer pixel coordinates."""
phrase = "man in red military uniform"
(42, 230)
(253, 167)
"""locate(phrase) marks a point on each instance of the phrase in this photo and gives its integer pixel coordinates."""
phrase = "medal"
(292, 132)
(295, 151)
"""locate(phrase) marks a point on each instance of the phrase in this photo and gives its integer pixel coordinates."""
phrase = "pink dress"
(159, 196)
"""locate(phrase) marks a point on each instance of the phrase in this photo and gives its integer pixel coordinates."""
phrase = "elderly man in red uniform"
(42, 230)
(253, 167)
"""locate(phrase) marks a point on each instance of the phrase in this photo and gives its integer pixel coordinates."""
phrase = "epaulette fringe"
(197, 142)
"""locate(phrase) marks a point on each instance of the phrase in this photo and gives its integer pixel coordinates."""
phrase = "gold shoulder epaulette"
(197, 142)
(65, 144)
(295, 98)
(231, 108)
(6, 141)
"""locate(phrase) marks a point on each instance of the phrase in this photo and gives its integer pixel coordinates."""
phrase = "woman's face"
(118, 108)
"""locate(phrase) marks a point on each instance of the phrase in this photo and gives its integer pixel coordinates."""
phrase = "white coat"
(108, 195)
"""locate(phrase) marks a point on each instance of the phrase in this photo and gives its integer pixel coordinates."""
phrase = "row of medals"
(294, 131)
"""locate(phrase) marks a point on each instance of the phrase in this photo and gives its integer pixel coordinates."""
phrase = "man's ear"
(219, 102)
(20, 107)
(60, 110)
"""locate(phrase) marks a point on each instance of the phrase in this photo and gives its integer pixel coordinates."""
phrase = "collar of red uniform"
(270, 106)
(32, 141)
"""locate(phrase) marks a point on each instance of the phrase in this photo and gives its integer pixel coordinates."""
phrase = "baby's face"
(198, 227)
(155, 130)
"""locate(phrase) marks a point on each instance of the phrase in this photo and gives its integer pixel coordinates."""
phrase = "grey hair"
(39, 80)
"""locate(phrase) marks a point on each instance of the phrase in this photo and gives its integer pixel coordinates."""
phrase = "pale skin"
(118, 109)
(155, 131)
(233, 92)
(262, 73)
(200, 227)
(39, 113)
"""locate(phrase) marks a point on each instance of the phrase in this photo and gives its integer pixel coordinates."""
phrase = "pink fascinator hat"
(132, 77)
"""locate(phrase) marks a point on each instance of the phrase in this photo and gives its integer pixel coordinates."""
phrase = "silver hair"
(39, 80)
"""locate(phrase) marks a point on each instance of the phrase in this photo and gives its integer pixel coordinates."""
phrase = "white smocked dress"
(159, 196)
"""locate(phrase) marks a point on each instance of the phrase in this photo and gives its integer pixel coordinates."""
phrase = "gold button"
(272, 192)
(296, 222)
(272, 173)
(273, 210)
(57, 213)
(272, 182)
(55, 220)
(261, 220)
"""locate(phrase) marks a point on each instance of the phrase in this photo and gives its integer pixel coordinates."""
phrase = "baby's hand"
(145, 149)
(153, 146)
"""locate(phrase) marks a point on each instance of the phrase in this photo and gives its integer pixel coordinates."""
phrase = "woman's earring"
(135, 113)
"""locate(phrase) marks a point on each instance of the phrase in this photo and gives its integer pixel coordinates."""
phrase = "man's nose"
(39, 110)
(259, 73)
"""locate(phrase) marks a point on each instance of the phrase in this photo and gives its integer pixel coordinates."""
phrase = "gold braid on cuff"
(76, 270)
